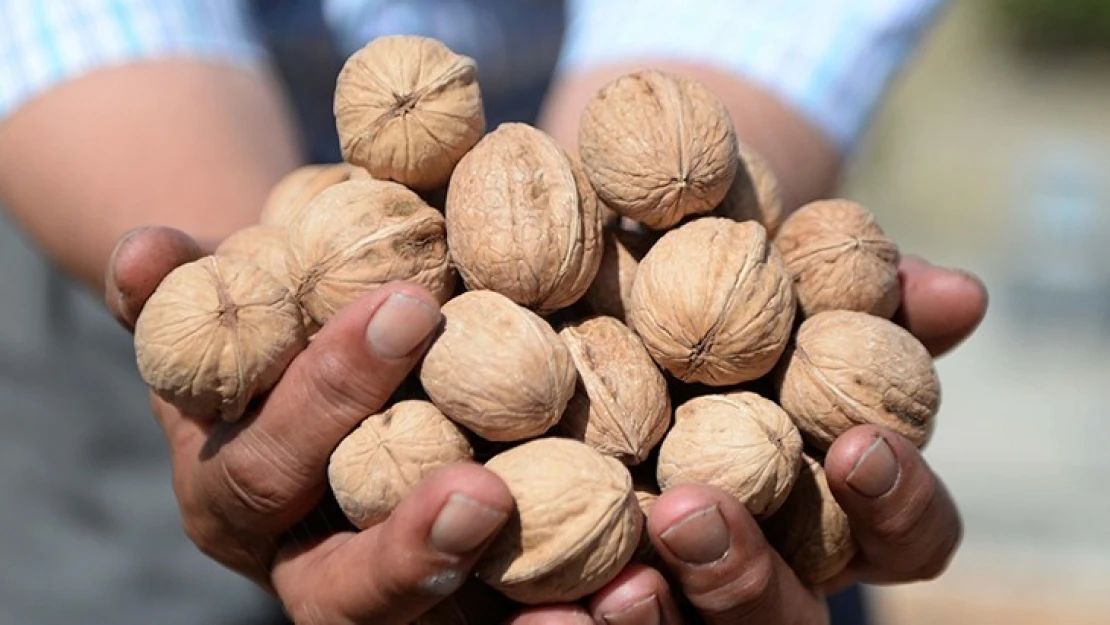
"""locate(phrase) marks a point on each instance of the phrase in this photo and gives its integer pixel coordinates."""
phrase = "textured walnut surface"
(610, 293)
(712, 302)
(296, 189)
(217, 332)
(620, 406)
(265, 245)
(379, 463)
(754, 193)
(850, 368)
(840, 259)
(658, 147)
(360, 234)
(740, 442)
(811, 531)
(523, 220)
(407, 108)
(497, 368)
(576, 523)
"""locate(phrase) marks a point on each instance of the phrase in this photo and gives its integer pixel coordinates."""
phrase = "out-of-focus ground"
(986, 159)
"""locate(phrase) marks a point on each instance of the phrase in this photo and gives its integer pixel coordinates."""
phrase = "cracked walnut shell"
(658, 147)
(523, 220)
(497, 368)
(811, 531)
(840, 259)
(620, 406)
(360, 234)
(382, 460)
(712, 302)
(575, 526)
(216, 333)
(407, 108)
(847, 368)
(739, 442)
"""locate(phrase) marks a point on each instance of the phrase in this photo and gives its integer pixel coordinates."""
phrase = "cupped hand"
(251, 493)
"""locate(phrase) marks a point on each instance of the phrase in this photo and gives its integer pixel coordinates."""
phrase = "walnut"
(848, 368)
(712, 302)
(740, 442)
(620, 406)
(497, 368)
(611, 290)
(267, 246)
(840, 259)
(658, 147)
(216, 333)
(754, 193)
(379, 463)
(299, 187)
(407, 108)
(811, 531)
(523, 220)
(358, 235)
(575, 526)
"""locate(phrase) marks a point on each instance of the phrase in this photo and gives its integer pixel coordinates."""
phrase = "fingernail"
(699, 538)
(401, 324)
(875, 472)
(643, 612)
(463, 524)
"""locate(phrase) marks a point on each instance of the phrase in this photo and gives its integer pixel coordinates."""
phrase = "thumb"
(141, 259)
(392, 573)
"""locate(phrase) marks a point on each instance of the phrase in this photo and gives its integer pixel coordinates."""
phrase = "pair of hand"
(250, 493)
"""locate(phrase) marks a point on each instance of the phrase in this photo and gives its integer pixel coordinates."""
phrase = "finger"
(903, 518)
(941, 307)
(723, 564)
(141, 259)
(394, 572)
(265, 473)
(638, 596)
(553, 615)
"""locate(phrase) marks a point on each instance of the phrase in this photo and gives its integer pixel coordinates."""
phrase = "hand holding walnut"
(250, 492)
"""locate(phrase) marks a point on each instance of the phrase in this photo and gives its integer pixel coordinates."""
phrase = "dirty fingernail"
(699, 538)
(400, 325)
(464, 524)
(875, 472)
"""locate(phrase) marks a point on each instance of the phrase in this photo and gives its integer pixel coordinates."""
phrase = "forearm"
(805, 162)
(187, 144)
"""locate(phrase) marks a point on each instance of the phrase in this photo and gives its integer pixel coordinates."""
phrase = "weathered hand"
(253, 495)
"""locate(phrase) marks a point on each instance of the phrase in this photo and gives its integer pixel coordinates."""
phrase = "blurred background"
(993, 154)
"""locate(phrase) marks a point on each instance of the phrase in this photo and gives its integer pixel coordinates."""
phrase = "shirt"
(89, 530)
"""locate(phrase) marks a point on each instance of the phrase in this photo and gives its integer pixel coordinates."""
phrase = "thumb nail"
(876, 471)
(401, 324)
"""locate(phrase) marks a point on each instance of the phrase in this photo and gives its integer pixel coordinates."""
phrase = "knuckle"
(900, 527)
(342, 388)
(261, 475)
(744, 591)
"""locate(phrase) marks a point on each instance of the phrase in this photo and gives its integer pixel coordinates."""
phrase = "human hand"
(253, 494)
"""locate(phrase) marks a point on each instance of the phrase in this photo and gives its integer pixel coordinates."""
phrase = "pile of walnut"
(617, 322)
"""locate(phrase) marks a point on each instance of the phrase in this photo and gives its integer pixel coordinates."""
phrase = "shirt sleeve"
(46, 42)
(832, 60)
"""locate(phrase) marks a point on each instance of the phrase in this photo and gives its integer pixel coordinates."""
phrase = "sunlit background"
(993, 154)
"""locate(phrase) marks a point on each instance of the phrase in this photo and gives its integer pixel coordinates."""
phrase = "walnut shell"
(620, 406)
(216, 333)
(840, 259)
(848, 368)
(658, 147)
(296, 189)
(754, 194)
(523, 220)
(360, 234)
(407, 108)
(382, 460)
(264, 245)
(712, 302)
(741, 443)
(610, 292)
(575, 526)
(811, 531)
(497, 368)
